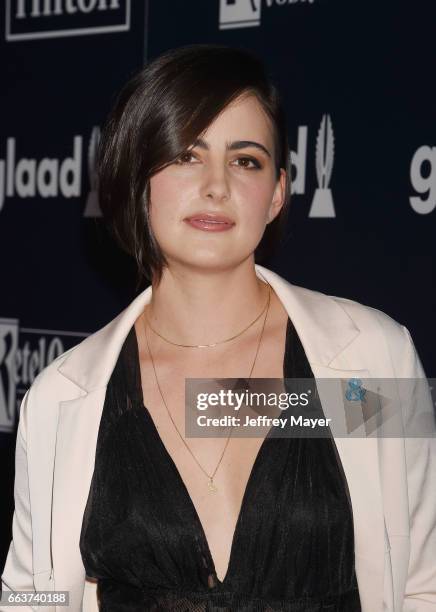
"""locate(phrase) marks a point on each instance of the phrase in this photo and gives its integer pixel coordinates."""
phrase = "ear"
(278, 197)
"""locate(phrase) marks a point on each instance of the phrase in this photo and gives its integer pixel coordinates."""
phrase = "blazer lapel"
(89, 366)
(360, 461)
(326, 332)
(76, 441)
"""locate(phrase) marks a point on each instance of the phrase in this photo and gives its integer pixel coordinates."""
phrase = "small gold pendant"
(212, 487)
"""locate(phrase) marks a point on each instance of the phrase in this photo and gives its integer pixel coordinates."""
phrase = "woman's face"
(229, 171)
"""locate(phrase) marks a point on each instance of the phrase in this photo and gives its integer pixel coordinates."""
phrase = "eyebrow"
(234, 146)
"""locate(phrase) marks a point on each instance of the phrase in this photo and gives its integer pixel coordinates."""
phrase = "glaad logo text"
(423, 179)
(46, 178)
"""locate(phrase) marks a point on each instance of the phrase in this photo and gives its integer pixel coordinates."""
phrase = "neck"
(203, 307)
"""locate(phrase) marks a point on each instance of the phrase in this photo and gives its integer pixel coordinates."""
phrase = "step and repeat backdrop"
(358, 82)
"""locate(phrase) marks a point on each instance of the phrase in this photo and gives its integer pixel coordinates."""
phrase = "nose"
(215, 183)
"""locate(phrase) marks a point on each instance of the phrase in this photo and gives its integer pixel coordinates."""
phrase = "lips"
(210, 222)
(211, 218)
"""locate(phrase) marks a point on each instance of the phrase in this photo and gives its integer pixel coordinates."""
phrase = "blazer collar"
(324, 328)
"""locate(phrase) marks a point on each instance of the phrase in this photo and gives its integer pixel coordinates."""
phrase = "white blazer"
(392, 481)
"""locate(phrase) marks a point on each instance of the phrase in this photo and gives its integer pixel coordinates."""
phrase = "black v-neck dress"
(293, 546)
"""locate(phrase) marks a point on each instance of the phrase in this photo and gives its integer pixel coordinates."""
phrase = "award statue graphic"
(92, 208)
(9, 331)
(239, 14)
(322, 203)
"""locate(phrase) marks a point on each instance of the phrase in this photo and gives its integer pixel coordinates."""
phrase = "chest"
(229, 460)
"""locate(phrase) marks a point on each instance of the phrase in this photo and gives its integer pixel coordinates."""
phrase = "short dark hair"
(157, 115)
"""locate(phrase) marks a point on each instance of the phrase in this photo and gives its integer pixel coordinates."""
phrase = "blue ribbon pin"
(355, 392)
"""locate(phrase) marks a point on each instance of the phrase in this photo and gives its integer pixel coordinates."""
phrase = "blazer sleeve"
(18, 571)
(420, 592)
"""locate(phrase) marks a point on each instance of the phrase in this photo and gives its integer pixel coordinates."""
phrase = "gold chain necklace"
(215, 343)
(212, 487)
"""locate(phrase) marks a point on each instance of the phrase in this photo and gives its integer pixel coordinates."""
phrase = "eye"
(249, 160)
(185, 157)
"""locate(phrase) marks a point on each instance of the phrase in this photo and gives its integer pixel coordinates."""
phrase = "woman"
(112, 500)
